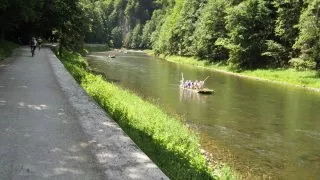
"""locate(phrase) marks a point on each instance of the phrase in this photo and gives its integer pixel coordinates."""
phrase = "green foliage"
(288, 13)
(151, 29)
(117, 19)
(276, 51)
(249, 25)
(116, 37)
(302, 64)
(6, 48)
(172, 146)
(136, 40)
(14, 12)
(183, 34)
(309, 35)
(163, 42)
(210, 27)
(98, 31)
(245, 33)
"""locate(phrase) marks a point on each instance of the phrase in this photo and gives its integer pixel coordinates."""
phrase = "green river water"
(268, 129)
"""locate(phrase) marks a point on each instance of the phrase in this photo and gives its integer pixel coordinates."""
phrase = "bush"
(302, 65)
(6, 48)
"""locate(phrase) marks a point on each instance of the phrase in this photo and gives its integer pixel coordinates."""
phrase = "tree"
(136, 37)
(249, 25)
(98, 31)
(308, 41)
(150, 30)
(288, 13)
(116, 35)
(162, 42)
(210, 27)
(183, 33)
(14, 14)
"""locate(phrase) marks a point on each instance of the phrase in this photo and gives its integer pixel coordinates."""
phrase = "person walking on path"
(33, 45)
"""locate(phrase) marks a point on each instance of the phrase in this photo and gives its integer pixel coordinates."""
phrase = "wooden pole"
(206, 78)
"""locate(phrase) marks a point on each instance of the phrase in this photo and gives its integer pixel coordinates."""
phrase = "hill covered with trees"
(245, 34)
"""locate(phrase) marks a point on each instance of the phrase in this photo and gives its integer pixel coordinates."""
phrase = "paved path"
(42, 135)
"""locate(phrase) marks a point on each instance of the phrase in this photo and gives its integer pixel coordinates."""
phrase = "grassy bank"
(96, 47)
(172, 146)
(6, 48)
(309, 78)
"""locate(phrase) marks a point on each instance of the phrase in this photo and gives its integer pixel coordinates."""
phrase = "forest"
(243, 34)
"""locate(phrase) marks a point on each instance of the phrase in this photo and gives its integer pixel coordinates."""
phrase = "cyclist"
(33, 45)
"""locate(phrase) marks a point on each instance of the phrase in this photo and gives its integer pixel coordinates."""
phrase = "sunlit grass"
(6, 48)
(170, 144)
(190, 61)
(310, 78)
(302, 78)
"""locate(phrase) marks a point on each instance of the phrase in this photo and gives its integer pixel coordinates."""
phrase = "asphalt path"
(41, 136)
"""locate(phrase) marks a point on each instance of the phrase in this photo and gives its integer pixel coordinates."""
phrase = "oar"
(206, 78)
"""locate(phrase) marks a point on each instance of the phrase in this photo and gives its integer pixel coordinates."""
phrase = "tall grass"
(6, 48)
(170, 144)
(310, 78)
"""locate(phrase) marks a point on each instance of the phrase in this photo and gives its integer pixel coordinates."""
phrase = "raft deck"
(201, 91)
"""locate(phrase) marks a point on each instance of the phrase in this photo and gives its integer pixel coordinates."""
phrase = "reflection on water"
(270, 129)
(187, 95)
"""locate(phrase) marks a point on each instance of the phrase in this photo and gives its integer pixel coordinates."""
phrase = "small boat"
(112, 56)
(200, 91)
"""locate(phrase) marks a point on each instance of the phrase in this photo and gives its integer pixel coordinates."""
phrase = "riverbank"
(304, 79)
(170, 144)
(96, 47)
(6, 48)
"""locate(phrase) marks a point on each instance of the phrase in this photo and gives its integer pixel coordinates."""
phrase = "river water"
(268, 129)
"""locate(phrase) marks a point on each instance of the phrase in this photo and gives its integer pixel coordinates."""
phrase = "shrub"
(302, 65)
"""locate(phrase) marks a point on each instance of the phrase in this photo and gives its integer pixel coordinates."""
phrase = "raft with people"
(195, 86)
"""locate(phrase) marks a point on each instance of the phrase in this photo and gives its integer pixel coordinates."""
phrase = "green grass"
(310, 78)
(170, 144)
(6, 48)
(97, 48)
(291, 76)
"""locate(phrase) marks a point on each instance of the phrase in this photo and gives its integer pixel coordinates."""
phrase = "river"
(268, 129)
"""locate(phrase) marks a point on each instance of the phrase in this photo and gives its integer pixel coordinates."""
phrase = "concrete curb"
(118, 155)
